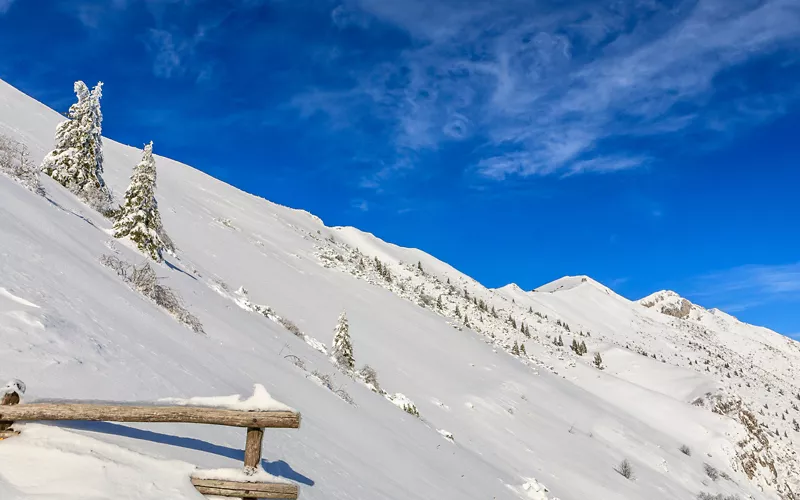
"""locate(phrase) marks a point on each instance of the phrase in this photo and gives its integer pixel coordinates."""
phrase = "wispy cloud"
(5, 5)
(749, 286)
(172, 54)
(360, 205)
(546, 89)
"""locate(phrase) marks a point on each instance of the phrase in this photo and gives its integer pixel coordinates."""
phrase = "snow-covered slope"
(70, 328)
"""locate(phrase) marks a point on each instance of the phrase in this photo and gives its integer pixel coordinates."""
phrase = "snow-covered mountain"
(268, 283)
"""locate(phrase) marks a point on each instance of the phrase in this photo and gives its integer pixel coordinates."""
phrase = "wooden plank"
(245, 490)
(252, 447)
(132, 413)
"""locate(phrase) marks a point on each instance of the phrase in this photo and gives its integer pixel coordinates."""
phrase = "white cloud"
(174, 54)
(361, 205)
(545, 88)
(166, 59)
(749, 286)
(5, 5)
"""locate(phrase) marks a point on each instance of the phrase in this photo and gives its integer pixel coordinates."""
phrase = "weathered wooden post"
(252, 448)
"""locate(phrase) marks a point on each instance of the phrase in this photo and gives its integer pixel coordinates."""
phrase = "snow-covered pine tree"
(598, 361)
(342, 347)
(76, 162)
(522, 349)
(583, 348)
(515, 349)
(138, 217)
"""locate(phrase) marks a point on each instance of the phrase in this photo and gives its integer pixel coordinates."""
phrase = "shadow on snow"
(277, 468)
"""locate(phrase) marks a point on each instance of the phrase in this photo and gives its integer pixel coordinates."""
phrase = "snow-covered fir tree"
(76, 162)
(138, 217)
(342, 351)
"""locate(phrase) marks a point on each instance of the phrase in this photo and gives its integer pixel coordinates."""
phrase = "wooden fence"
(254, 421)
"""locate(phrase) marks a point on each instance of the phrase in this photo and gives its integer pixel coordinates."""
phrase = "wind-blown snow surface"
(547, 425)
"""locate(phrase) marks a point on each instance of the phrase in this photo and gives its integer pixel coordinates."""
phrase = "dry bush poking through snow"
(296, 361)
(686, 450)
(289, 325)
(711, 471)
(324, 379)
(345, 396)
(327, 382)
(15, 162)
(719, 496)
(370, 377)
(625, 469)
(143, 279)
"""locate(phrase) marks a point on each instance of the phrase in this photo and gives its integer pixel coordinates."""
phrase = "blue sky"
(649, 144)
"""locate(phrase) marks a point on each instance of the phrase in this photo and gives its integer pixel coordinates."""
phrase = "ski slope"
(547, 425)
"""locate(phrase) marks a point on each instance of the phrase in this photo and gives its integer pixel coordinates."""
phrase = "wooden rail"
(244, 490)
(254, 421)
(131, 413)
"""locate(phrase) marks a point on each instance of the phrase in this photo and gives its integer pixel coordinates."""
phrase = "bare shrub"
(116, 264)
(719, 496)
(192, 321)
(296, 361)
(711, 471)
(99, 198)
(15, 161)
(345, 396)
(324, 379)
(289, 325)
(144, 280)
(625, 469)
(370, 377)
(686, 450)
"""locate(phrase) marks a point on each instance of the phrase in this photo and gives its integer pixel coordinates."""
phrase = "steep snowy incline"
(70, 328)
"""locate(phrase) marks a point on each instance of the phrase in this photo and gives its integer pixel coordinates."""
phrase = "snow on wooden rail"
(256, 413)
(260, 410)
(130, 413)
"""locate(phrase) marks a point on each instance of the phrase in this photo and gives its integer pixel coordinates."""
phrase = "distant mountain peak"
(568, 283)
(670, 303)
